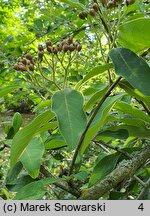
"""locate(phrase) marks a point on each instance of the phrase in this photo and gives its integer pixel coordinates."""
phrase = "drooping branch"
(124, 170)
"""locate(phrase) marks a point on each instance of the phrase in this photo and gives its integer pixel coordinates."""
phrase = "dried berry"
(24, 61)
(48, 43)
(65, 47)
(72, 47)
(28, 61)
(79, 47)
(50, 49)
(28, 56)
(40, 47)
(75, 43)
(32, 62)
(19, 59)
(111, 4)
(104, 3)
(40, 55)
(31, 67)
(59, 47)
(55, 50)
(22, 67)
(92, 12)
(95, 7)
(70, 40)
(83, 15)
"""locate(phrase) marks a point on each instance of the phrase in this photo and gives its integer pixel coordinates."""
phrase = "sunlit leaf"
(135, 34)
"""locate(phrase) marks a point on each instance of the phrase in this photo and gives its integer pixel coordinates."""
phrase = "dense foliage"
(74, 99)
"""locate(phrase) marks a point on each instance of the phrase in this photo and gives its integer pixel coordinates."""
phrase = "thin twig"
(61, 185)
(144, 106)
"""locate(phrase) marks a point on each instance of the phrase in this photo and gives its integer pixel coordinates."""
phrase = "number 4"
(141, 207)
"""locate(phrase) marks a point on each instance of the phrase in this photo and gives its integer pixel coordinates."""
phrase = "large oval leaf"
(23, 137)
(135, 34)
(133, 68)
(31, 157)
(68, 107)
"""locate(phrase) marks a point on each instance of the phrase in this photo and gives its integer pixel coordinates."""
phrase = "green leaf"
(5, 90)
(133, 131)
(42, 105)
(103, 168)
(98, 121)
(23, 136)
(95, 98)
(48, 126)
(17, 122)
(81, 176)
(68, 107)
(32, 191)
(32, 155)
(94, 72)
(133, 68)
(14, 174)
(133, 111)
(55, 141)
(19, 183)
(135, 34)
(134, 92)
(118, 134)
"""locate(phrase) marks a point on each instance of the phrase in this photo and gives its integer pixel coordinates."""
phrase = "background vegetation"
(74, 99)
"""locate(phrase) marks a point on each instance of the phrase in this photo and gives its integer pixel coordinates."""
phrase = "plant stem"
(144, 106)
(66, 71)
(46, 78)
(90, 122)
(63, 185)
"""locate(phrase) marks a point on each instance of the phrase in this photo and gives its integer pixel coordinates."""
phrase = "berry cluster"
(24, 64)
(27, 62)
(93, 10)
(64, 46)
